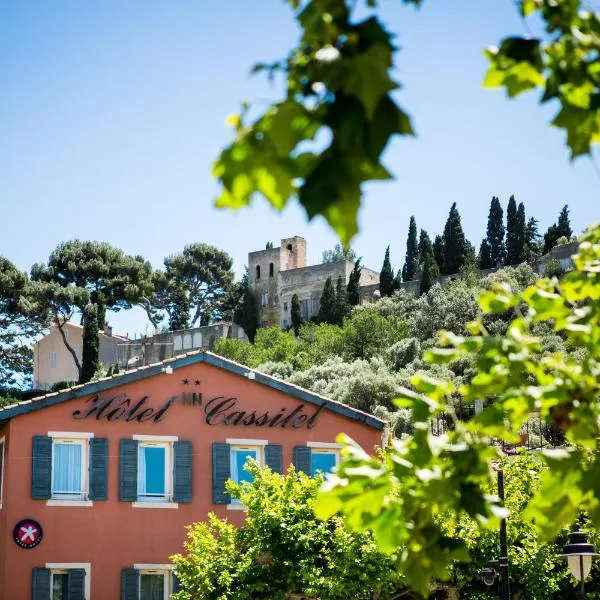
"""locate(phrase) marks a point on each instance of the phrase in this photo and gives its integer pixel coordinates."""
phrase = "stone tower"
(264, 267)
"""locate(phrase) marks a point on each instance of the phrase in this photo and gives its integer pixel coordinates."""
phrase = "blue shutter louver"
(302, 459)
(98, 469)
(221, 472)
(128, 459)
(130, 584)
(274, 458)
(76, 584)
(40, 584)
(182, 471)
(41, 467)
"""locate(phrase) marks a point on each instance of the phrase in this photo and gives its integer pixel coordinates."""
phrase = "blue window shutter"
(98, 469)
(302, 459)
(128, 459)
(177, 587)
(274, 458)
(130, 584)
(182, 471)
(221, 472)
(40, 584)
(41, 468)
(76, 584)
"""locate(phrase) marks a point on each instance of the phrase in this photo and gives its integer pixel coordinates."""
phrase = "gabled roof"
(184, 360)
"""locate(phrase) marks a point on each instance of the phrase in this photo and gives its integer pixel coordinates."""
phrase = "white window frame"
(244, 444)
(326, 448)
(165, 441)
(53, 360)
(82, 439)
(62, 568)
(2, 451)
(165, 570)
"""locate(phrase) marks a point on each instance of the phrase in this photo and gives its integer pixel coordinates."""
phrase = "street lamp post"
(488, 574)
(579, 554)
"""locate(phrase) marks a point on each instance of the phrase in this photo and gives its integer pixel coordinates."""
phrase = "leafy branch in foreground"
(401, 496)
(325, 139)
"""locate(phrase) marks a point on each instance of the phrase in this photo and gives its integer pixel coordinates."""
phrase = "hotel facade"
(98, 482)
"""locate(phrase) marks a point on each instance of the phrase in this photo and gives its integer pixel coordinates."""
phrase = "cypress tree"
(296, 314)
(495, 234)
(512, 242)
(550, 238)
(424, 245)
(531, 239)
(411, 261)
(563, 226)
(90, 355)
(116, 369)
(398, 279)
(341, 307)
(454, 243)
(179, 308)
(386, 277)
(327, 306)
(521, 234)
(485, 255)
(429, 270)
(352, 291)
(245, 313)
(438, 252)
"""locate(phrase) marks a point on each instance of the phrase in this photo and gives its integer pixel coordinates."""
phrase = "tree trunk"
(68, 346)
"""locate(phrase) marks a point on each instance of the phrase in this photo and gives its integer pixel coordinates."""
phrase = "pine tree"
(296, 314)
(485, 255)
(352, 291)
(563, 226)
(438, 252)
(341, 308)
(327, 306)
(495, 234)
(386, 277)
(411, 261)
(512, 242)
(90, 355)
(521, 234)
(454, 243)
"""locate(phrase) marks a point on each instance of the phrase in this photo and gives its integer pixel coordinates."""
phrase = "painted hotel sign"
(219, 410)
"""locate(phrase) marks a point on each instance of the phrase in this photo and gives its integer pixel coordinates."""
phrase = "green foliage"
(411, 261)
(295, 314)
(90, 355)
(386, 277)
(512, 241)
(455, 244)
(178, 307)
(400, 496)
(352, 291)
(281, 548)
(327, 312)
(485, 255)
(338, 253)
(438, 252)
(565, 66)
(553, 268)
(20, 323)
(562, 228)
(427, 277)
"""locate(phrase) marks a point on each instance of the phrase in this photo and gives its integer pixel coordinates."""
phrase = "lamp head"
(579, 554)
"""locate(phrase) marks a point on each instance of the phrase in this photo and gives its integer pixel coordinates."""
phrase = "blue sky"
(112, 113)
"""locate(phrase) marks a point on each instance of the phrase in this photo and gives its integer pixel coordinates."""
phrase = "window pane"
(67, 469)
(322, 462)
(60, 583)
(152, 587)
(240, 458)
(151, 471)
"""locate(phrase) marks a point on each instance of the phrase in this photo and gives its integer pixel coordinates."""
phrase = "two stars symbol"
(189, 381)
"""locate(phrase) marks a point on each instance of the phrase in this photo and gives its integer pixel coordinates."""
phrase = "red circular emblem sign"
(28, 533)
